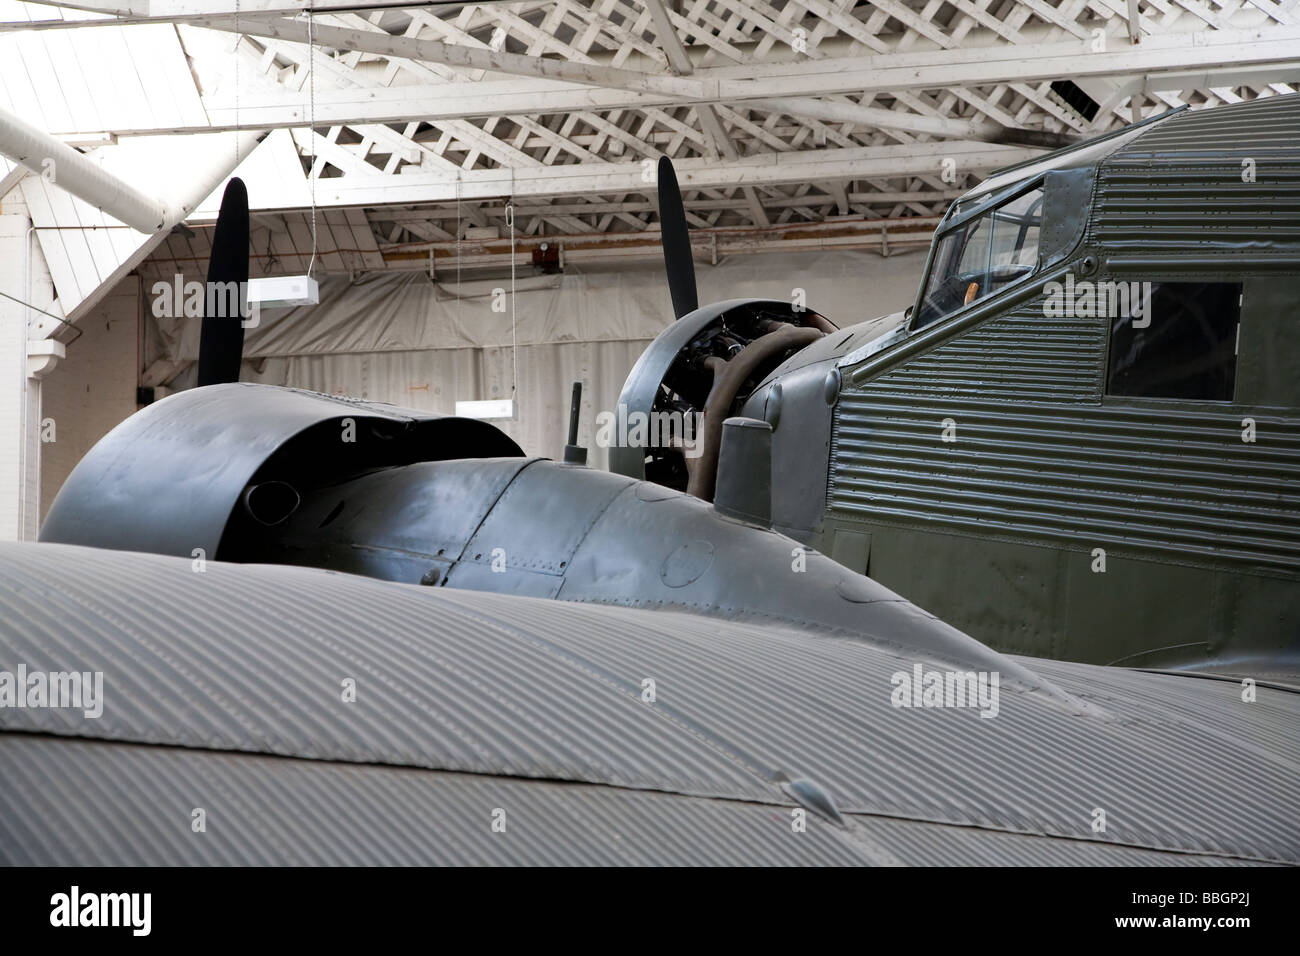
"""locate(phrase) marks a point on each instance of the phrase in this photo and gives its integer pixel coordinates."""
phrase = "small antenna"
(575, 454)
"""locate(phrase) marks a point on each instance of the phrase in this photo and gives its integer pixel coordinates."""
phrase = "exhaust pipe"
(271, 502)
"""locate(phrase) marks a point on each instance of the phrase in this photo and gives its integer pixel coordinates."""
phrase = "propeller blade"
(676, 241)
(221, 340)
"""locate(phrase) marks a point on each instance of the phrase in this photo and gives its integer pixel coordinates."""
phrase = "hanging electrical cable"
(514, 336)
(311, 133)
(238, 38)
(459, 317)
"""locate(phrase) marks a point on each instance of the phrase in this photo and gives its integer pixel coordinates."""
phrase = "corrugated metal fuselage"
(987, 468)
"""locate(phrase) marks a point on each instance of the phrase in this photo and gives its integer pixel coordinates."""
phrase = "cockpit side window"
(981, 256)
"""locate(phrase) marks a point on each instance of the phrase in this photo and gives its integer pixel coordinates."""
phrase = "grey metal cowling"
(744, 487)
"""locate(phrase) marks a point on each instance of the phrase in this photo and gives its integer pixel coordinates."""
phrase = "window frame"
(953, 221)
(1108, 397)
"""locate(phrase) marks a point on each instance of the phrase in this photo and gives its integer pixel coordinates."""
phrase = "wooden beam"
(1165, 62)
(809, 166)
(382, 43)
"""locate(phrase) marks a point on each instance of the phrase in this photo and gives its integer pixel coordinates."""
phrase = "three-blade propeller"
(676, 241)
(221, 340)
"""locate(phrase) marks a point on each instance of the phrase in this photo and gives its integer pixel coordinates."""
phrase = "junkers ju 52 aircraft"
(255, 473)
(1082, 441)
(552, 664)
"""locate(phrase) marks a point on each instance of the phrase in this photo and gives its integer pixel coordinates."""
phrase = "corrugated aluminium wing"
(223, 690)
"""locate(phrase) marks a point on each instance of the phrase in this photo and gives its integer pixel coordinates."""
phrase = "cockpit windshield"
(982, 255)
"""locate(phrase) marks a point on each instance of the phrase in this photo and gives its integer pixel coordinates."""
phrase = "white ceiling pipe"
(207, 175)
(65, 167)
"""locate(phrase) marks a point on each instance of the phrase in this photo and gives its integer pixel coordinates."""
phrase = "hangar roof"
(410, 126)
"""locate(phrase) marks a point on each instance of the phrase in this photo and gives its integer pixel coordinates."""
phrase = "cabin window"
(1182, 344)
(982, 256)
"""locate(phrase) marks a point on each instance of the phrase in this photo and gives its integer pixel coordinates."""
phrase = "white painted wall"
(13, 371)
(24, 278)
(93, 387)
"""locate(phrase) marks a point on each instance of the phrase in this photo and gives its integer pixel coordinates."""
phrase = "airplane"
(280, 715)
(984, 459)
(1082, 440)
(297, 600)
(983, 453)
(232, 471)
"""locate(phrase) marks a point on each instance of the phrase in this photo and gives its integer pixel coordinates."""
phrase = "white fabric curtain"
(403, 338)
